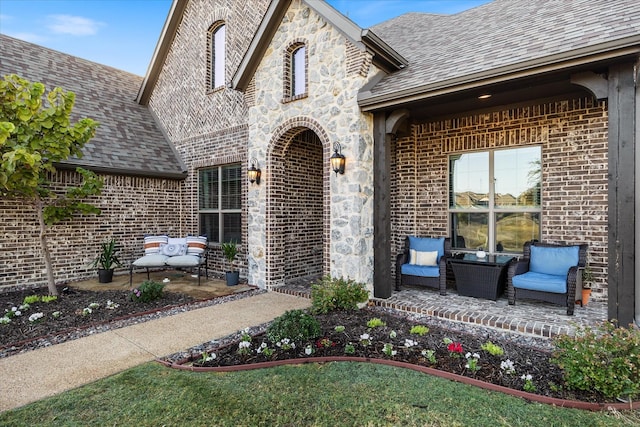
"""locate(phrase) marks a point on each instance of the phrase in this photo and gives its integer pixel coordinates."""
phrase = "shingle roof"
(500, 34)
(128, 140)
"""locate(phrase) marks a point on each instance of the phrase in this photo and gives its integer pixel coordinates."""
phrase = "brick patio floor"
(535, 318)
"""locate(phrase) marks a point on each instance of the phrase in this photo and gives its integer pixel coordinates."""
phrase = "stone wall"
(131, 207)
(573, 136)
(336, 72)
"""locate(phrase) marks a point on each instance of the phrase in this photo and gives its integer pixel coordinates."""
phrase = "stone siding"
(336, 72)
(573, 136)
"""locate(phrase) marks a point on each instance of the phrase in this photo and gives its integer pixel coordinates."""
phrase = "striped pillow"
(196, 245)
(152, 244)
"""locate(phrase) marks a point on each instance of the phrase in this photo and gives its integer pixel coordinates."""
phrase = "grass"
(312, 395)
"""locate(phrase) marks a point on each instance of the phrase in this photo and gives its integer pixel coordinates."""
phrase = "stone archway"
(298, 207)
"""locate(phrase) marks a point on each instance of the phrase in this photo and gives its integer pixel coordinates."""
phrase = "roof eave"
(384, 56)
(602, 52)
(162, 49)
(69, 165)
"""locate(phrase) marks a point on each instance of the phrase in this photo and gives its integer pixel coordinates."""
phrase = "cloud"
(74, 25)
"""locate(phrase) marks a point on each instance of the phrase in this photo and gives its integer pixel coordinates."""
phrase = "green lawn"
(332, 394)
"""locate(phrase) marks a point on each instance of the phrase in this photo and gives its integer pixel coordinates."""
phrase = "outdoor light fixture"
(254, 172)
(337, 159)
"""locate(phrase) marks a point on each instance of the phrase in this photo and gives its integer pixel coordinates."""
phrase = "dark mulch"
(547, 377)
(70, 305)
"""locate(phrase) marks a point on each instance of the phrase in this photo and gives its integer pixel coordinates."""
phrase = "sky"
(124, 33)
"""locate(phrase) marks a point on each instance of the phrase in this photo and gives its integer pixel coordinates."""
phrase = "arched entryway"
(297, 217)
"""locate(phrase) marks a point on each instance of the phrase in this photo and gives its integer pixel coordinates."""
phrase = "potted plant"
(106, 261)
(587, 280)
(230, 250)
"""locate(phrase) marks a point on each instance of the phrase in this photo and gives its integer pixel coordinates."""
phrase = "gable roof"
(128, 140)
(501, 40)
(384, 57)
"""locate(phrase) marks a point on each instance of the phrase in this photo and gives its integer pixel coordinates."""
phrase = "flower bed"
(373, 334)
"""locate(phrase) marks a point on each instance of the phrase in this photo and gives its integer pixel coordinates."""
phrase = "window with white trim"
(220, 203)
(298, 71)
(494, 198)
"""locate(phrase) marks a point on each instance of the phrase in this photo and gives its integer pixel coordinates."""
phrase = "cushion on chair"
(420, 270)
(196, 245)
(541, 282)
(423, 258)
(554, 260)
(427, 244)
(155, 260)
(152, 244)
(184, 261)
(175, 246)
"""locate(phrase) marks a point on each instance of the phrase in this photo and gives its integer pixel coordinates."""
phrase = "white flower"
(244, 344)
(86, 311)
(526, 377)
(476, 356)
(308, 350)
(94, 305)
(507, 365)
(210, 357)
(36, 316)
(393, 334)
(166, 280)
(112, 305)
(4, 320)
(410, 343)
(24, 307)
(364, 336)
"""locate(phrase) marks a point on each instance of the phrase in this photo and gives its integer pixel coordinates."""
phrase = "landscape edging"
(565, 403)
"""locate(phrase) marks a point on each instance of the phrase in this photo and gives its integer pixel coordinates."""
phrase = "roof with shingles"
(128, 140)
(500, 34)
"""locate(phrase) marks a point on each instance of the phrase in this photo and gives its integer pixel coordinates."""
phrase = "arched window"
(295, 71)
(298, 71)
(216, 56)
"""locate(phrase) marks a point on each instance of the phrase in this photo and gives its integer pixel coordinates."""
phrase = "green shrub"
(32, 299)
(375, 322)
(605, 359)
(337, 294)
(147, 291)
(419, 330)
(492, 349)
(296, 325)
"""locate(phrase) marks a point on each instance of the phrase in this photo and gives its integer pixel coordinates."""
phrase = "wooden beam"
(382, 283)
(622, 193)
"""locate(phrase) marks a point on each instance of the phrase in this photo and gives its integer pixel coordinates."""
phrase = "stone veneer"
(573, 136)
(330, 110)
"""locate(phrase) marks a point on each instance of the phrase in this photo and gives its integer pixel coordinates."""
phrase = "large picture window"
(219, 203)
(494, 199)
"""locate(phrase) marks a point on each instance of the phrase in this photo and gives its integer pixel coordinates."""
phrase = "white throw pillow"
(423, 258)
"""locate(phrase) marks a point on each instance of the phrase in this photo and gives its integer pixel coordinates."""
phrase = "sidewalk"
(45, 372)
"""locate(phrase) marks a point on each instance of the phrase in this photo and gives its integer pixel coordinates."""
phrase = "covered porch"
(532, 318)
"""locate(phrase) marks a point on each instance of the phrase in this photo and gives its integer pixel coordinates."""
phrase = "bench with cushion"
(547, 272)
(167, 252)
(424, 262)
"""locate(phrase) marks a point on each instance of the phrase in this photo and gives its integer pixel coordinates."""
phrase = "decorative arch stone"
(278, 188)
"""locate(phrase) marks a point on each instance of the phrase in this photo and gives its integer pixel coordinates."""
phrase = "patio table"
(480, 277)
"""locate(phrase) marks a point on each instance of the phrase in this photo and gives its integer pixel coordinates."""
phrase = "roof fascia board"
(259, 44)
(384, 56)
(602, 52)
(167, 36)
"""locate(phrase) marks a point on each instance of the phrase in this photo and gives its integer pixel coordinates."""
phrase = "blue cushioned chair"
(408, 272)
(547, 272)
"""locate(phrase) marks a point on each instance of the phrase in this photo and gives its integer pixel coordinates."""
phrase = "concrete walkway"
(45, 372)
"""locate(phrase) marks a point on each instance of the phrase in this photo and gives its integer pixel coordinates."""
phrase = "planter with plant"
(587, 280)
(106, 261)
(230, 250)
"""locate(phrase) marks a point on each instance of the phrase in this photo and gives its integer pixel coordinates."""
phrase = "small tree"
(36, 133)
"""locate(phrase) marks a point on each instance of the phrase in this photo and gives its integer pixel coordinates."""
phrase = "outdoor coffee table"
(480, 277)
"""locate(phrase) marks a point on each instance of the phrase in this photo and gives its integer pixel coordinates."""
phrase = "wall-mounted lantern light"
(337, 159)
(254, 172)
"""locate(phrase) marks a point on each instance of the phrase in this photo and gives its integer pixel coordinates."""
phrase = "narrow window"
(219, 203)
(217, 57)
(494, 199)
(299, 72)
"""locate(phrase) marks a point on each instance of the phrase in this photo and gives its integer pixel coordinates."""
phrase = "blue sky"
(123, 33)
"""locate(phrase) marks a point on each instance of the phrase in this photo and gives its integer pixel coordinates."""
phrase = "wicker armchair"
(408, 273)
(547, 272)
